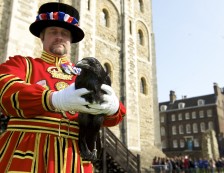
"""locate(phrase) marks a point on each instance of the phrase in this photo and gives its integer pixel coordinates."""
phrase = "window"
(163, 108)
(163, 132)
(202, 126)
(104, 20)
(180, 116)
(201, 114)
(195, 128)
(193, 115)
(130, 27)
(189, 143)
(175, 145)
(210, 125)
(209, 113)
(201, 102)
(187, 115)
(88, 5)
(162, 119)
(188, 128)
(196, 143)
(174, 130)
(182, 143)
(173, 117)
(143, 86)
(140, 6)
(140, 37)
(163, 143)
(181, 129)
(107, 68)
(181, 105)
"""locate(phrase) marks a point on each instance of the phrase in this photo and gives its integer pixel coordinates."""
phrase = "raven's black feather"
(92, 76)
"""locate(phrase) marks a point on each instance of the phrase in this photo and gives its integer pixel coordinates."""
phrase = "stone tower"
(119, 33)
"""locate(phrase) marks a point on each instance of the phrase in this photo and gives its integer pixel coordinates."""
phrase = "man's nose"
(59, 35)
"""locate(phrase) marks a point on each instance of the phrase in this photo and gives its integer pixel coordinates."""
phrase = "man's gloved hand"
(70, 99)
(110, 103)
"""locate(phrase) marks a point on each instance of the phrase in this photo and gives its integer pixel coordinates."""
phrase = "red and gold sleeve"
(17, 97)
(115, 119)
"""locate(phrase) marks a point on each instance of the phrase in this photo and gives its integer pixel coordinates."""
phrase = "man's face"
(56, 41)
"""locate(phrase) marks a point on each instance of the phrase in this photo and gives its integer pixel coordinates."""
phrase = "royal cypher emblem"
(56, 72)
(61, 85)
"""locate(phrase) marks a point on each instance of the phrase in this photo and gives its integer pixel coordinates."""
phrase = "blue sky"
(189, 38)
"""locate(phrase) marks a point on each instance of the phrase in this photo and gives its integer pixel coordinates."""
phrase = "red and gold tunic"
(38, 139)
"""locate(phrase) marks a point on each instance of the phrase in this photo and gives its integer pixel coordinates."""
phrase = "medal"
(76, 70)
(65, 68)
(69, 69)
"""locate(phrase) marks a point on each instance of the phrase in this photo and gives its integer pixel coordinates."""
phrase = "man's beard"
(58, 50)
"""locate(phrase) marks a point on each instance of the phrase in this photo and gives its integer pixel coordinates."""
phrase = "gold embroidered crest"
(56, 72)
(61, 85)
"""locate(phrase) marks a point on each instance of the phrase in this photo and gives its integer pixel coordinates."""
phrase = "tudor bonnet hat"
(60, 15)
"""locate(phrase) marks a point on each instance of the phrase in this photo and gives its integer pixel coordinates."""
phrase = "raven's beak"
(82, 64)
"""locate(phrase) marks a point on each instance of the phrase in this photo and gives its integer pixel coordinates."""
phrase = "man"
(41, 100)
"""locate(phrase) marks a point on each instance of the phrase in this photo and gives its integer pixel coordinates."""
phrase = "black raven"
(91, 77)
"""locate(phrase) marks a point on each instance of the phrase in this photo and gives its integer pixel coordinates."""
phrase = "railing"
(115, 150)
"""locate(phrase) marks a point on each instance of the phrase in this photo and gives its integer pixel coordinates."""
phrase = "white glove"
(70, 99)
(110, 103)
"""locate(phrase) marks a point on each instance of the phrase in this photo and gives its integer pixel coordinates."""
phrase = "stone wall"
(5, 12)
(209, 145)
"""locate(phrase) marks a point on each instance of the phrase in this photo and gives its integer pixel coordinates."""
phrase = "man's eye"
(53, 32)
(65, 34)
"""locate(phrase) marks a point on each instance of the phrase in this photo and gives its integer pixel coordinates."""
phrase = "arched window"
(174, 130)
(180, 116)
(88, 5)
(202, 127)
(173, 117)
(188, 128)
(181, 129)
(195, 127)
(104, 20)
(107, 68)
(201, 114)
(130, 27)
(175, 145)
(193, 115)
(143, 86)
(163, 143)
(163, 108)
(196, 142)
(182, 143)
(210, 125)
(140, 6)
(181, 105)
(140, 37)
(163, 132)
(162, 119)
(201, 102)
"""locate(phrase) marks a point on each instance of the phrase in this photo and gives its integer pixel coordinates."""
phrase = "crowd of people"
(185, 164)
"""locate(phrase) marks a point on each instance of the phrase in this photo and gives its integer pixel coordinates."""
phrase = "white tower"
(118, 33)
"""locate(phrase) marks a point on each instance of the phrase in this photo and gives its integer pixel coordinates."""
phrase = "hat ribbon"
(60, 16)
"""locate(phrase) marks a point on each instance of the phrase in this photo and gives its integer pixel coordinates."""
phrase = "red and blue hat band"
(60, 16)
